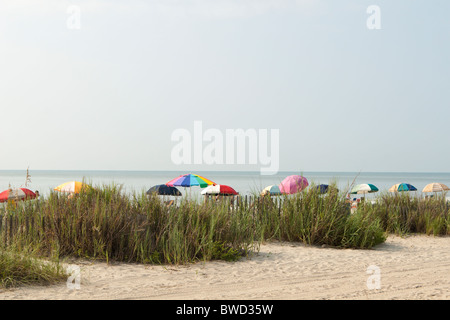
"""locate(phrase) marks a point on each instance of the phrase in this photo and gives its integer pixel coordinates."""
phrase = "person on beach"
(348, 199)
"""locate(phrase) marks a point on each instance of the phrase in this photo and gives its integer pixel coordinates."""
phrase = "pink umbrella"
(293, 184)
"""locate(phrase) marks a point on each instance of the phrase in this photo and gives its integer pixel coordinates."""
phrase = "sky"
(105, 84)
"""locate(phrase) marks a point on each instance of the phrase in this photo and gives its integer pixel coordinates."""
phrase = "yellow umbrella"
(435, 187)
(72, 187)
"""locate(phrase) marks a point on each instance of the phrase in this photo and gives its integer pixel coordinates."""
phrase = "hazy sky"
(103, 84)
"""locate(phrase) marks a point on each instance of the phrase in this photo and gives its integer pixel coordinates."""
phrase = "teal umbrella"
(272, 190)
(402, 187)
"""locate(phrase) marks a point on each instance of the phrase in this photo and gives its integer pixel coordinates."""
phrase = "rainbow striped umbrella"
(190, 180)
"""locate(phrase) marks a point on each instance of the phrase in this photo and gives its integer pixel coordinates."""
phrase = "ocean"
(244, 182)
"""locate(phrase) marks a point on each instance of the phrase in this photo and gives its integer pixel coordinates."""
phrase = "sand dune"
(415, 267)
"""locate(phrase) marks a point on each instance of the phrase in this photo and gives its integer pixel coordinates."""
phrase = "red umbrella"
(219, 189)
(17, 194)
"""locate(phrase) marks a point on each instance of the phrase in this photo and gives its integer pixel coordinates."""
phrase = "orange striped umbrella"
(72, 187)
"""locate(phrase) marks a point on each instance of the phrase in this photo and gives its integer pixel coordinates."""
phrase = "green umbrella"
(364, 188)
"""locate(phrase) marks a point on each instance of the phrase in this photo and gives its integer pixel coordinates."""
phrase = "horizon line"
(230, 171)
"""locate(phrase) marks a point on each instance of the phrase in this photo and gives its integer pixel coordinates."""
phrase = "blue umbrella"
(324, 188)
(164, 190)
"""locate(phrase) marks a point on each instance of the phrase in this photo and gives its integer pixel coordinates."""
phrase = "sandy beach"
(413, 267)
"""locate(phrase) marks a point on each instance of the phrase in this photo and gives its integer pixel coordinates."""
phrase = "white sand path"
(415, 267)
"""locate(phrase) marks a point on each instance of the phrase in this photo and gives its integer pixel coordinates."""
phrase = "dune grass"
(26, 268)
(320, 219)
(404, 213)
(103, 223)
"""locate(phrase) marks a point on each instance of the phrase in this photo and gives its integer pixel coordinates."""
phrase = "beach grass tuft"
(403, 213)
(104, 223)
(321, 219)
(26, 268)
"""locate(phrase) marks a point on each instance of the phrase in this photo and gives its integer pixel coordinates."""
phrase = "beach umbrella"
(364, 188)
(435, 187)
(189, 180)
(324, 188)
(72, 187)
(399, 187)
(293, 184)
(164, 190)
(219, 189)
(272, 190)
(17, 194)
